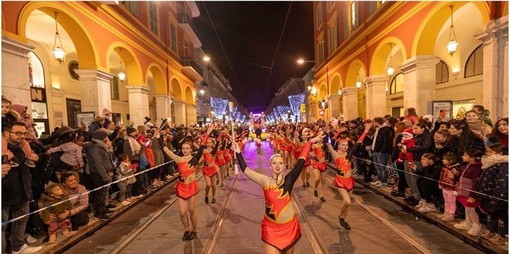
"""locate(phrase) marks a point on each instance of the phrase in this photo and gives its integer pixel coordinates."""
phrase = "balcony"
(191, 68)
(186, 23)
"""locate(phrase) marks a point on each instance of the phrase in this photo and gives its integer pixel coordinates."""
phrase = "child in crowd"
(8, 117)
(73, 152)
(469, 177)
(449, 173)
(56, 216)
(125, 171)
(427, 185)
(406, 143)
(493, 192)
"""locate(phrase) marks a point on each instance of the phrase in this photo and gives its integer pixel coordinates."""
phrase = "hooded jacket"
(49, 201)
(100, 158)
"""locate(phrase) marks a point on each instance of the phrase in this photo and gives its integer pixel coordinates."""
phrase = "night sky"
(250, 32)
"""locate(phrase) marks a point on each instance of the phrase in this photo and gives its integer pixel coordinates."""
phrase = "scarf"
(490, 161)
(135, 146)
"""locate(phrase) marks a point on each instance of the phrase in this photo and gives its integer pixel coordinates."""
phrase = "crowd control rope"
(87, 192)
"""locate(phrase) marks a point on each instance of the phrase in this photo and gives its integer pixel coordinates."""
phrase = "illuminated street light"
(302, 61)
(206, 59)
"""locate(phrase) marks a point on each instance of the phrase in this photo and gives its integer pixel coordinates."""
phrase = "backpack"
(54, 164)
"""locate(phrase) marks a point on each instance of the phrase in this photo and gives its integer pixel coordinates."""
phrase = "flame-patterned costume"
(187, 185)
(209, 168)
(343, 179)
(320, 155)
(280, 226)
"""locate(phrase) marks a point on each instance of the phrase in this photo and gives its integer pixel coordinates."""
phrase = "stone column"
(334, 105)
(191, 114)
(495, 67)
(419, 82)
(15, 79)
(95, 90)
(350, 103)
(180, 112)
(376, 96)
(138, 97)
(163, 107)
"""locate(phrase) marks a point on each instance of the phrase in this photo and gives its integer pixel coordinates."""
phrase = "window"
(397, 84)
(173, 38)
(318, 15)
(35, 71)
(186, 49)
(474, 64)
(442, 73)
(346, 24)
(320, 52)
(132, 7)
(153, 16)
(354, 15)
(114, 88)
(332, 34)
(329, 5)
(372, 6)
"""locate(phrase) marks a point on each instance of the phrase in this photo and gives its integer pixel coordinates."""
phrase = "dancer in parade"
(187, 186)
(305, 174)
(280, 227)
(319, 167)
(210, 169)
(343, 180)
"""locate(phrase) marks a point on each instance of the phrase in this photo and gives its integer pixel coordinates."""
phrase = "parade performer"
(187, 186)
(210, 169)
(220, 160)
(280, 226)
(343, 180)
(305, 174)
(318, 167)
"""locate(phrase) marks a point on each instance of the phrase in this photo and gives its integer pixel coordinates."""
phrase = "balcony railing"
(186, 22)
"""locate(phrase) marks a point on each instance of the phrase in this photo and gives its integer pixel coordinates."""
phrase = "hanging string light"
(219, 106)
(295, 102)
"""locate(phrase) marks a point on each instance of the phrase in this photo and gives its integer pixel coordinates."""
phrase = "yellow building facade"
(374, 58)
(154, 44)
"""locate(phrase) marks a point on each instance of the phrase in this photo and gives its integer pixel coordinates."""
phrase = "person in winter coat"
(72, 152)
(57, 212)
(101, 166)
(493, 192)
(79, 217)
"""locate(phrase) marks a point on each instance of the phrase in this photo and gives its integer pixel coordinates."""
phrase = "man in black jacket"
(16, 192)
(382, 147)
(100, 159)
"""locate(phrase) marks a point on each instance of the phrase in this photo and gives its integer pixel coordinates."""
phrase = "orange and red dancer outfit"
(280, 226)
(320, 162)
(220, 160)
(343, 166)
(209, 168)
(187, 185)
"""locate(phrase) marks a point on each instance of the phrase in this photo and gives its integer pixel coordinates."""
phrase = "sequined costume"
(209, 168)
(320, 163)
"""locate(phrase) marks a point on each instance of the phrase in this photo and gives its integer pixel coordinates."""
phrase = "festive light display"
(283, 111)
(219, 106)
(295, 101)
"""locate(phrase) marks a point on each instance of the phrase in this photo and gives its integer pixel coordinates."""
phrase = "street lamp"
(302, 61)
(206, 58)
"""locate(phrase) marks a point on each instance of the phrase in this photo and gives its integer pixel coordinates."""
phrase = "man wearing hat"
(96, 125)
(100, 157)
(107, 114)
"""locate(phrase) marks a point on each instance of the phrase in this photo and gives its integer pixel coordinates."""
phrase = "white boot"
(476, 230)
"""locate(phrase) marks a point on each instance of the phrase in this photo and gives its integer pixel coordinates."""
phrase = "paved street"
(378, 225)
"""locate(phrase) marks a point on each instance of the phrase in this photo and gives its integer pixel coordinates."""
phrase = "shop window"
(153, 16)
(397, 84)
(474, 64)
(442, 73)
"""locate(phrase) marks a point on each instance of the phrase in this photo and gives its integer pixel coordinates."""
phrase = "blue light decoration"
(282, 110)
(219, 106)
(295, 102)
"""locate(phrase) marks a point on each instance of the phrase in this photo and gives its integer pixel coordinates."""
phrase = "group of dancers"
(280, 227)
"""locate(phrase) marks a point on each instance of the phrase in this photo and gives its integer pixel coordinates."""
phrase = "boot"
(52, 239)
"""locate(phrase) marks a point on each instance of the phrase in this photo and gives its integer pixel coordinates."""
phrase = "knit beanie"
(100, 135)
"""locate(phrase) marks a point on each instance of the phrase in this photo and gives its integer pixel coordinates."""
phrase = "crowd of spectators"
(458, 168)
(80, 162)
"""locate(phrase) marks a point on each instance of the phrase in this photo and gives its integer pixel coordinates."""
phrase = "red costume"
(280, 226)
(343, 166)
(209, 168)
(187, 186)
(320, 163)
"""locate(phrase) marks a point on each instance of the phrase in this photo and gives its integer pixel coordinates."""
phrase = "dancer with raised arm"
(343, 180)
(187, 186)
(210, 169)
(280, 226)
